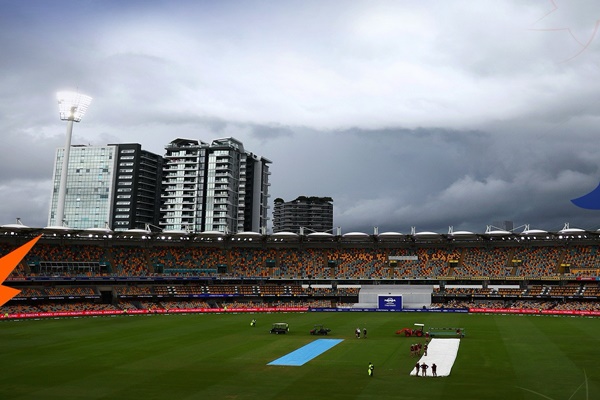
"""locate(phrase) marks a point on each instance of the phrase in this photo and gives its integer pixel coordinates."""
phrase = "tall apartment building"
(138, 190)
(217, 187)
(183, 193)
(255, 187)
(314, 214)
(116, 185)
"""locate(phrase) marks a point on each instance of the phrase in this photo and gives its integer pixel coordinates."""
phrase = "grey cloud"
(28, 157)
(405, 113)
(26, 199)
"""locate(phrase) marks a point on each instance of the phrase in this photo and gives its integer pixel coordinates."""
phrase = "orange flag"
(7, 264)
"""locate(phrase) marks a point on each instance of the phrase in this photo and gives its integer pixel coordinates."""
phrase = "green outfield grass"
(206, 356)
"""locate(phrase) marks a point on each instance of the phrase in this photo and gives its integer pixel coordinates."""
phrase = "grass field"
(206, 356)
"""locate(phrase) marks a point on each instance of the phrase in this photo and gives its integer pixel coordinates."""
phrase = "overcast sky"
(414, 113)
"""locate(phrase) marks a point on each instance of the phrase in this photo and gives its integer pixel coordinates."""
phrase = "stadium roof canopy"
(537, 234)
(15, 226)
(211, 233)
(249, 236)
(463, 236)
(355, 236)
(533, 232)
(284, 236)
(96, 232)
(103, 230)
(499, 233)
(134, 234)
(175, 232)
(462, 233)
(210, 236)
(172, 235)
(568, 232)
(571, 231)
(57, 230)
(390, 234)
(326, 236)
(16, 229)
(426, 234)
(391, 237)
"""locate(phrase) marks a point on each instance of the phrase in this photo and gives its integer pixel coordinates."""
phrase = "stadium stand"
(72, 273)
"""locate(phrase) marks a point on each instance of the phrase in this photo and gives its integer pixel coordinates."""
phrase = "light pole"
(71, 106)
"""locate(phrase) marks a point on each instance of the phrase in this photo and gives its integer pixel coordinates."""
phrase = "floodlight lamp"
(72, 105)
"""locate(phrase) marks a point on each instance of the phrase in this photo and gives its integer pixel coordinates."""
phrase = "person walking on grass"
(371, 369)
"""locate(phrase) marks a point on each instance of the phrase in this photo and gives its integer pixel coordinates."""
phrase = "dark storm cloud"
(396, 179)
(265, 132)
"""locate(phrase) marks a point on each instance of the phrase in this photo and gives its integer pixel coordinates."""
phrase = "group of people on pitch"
(417, 348)
(423, 368)
(357, 333)
(419, 367)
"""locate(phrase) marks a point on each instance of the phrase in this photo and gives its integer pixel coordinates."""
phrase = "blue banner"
(390, 302)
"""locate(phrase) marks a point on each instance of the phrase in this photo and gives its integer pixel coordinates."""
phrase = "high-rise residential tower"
(311, 214)
(217, 187)
(256, 193)
(137, 198)
(183, 194)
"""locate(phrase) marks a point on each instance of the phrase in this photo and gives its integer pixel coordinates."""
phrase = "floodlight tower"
(71, 106)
